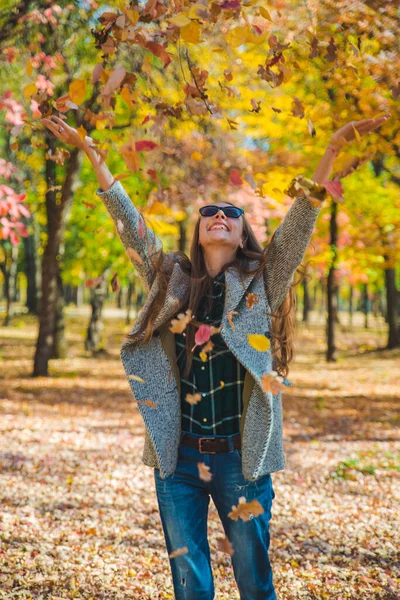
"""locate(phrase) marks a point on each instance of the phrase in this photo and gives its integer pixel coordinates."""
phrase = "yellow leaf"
(82, 132)
(203, 356)
(29, 90)
(196, 156)
(191, 33)
(136, 378)
(237, 36)
(358, 137)
(180, 20)
(258, 341)
(126, 96)
(29, 68)
(222, 383)
(101, 124)
(77, 91)
(133, 15)
(264, 13)
(194, 10)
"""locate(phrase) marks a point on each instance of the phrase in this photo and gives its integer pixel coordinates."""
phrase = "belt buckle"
(200, 448)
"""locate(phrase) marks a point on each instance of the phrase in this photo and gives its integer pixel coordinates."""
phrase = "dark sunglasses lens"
(208, 211)
(232, 211)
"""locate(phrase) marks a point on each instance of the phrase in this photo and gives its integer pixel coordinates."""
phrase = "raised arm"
(293, 235)
(140, 241)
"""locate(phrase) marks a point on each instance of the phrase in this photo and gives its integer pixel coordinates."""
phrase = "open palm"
(347, 133)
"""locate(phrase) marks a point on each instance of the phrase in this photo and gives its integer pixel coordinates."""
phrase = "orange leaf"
(246, 510)
(204, 471)
(224, 545)
(193, 399)
(230, 316)
(251, 300)
(178, 325)
(179, 552)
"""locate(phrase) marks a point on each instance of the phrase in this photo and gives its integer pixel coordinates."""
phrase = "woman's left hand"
(347, 134)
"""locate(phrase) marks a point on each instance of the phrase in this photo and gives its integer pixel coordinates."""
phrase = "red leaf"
(202, 335)
(235, 177)
(334, 188)
(145, 145)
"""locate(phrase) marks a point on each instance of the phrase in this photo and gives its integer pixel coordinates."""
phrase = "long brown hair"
(283, 319)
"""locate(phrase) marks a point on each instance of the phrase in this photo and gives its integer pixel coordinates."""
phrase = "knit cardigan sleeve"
(289, 245)
(140, 241)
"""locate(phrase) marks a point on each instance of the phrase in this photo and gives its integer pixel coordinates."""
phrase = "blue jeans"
(183, 500)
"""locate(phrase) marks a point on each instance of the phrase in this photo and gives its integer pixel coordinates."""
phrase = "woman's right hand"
(65, 133)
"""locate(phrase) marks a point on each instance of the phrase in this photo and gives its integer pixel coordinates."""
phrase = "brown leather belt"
(210, 445)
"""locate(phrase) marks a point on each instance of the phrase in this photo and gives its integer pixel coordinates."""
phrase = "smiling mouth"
(223, 227)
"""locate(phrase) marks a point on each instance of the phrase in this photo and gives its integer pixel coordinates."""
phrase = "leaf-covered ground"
(79, 514)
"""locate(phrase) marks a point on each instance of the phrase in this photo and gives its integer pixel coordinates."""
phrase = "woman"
(213, 422)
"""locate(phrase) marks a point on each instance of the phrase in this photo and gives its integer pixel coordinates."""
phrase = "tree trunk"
(9, 270)
(331, 288)
(351, 307)
(97, 298)
(129, 303)
(306, 302)
(60, 342)
(182, 235)
(56, 209)
(391, 309)
(31, 272)
(365, 305)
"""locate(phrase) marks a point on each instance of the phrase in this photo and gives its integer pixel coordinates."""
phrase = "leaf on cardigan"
(251, 300)
(259, 342)
(272, 382)
(246, 510)
(204, 471)
(133, 255)
(147, 402)
(178, 325)
(136, 378)
(230, 316)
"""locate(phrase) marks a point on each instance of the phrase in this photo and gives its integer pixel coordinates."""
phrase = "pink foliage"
(12, 210)
(14, 110)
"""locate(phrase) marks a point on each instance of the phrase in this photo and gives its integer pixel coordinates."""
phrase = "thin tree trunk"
(98, 296)
(351, 307)
(60, 341)
(306, 301)
(365, 305)
(32, 300)
(331, 288)
(392, 310)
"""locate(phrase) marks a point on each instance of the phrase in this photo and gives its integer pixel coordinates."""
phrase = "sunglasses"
(230, 211)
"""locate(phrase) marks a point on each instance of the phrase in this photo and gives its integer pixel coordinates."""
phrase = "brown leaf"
(251, 300)
(230, 316)
(224, 545)
(245, 510)
(179, 552)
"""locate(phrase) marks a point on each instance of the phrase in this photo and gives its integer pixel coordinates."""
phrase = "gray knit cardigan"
(155, 361)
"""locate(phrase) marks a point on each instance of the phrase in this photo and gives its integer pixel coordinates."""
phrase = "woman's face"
(220, 230)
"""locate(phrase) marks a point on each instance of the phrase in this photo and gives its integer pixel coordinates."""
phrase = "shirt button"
(204, 420)
(202, 368)
(204, 395)
(207, 317)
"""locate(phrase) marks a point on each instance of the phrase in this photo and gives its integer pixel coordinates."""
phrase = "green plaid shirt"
(220, 409)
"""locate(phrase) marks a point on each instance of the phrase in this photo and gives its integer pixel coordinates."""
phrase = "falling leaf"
(264, 13)
(224, 545)
(136, 378)
(77, 91)
(92, 283)
(202, 335)
(235, 177)
(134, 256)
(115, 283)
(196, 156)
(130, 156)
(251, 300)
(230, 317)
(193, 399)
(335, 189)
(145, 146)
(222, 384)
(29, 90)
(204, 471)
(179, 552)
(114, 81)
(258, 341)
(246, 510)
(203, 356)
(179, 324)
(82, 132)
